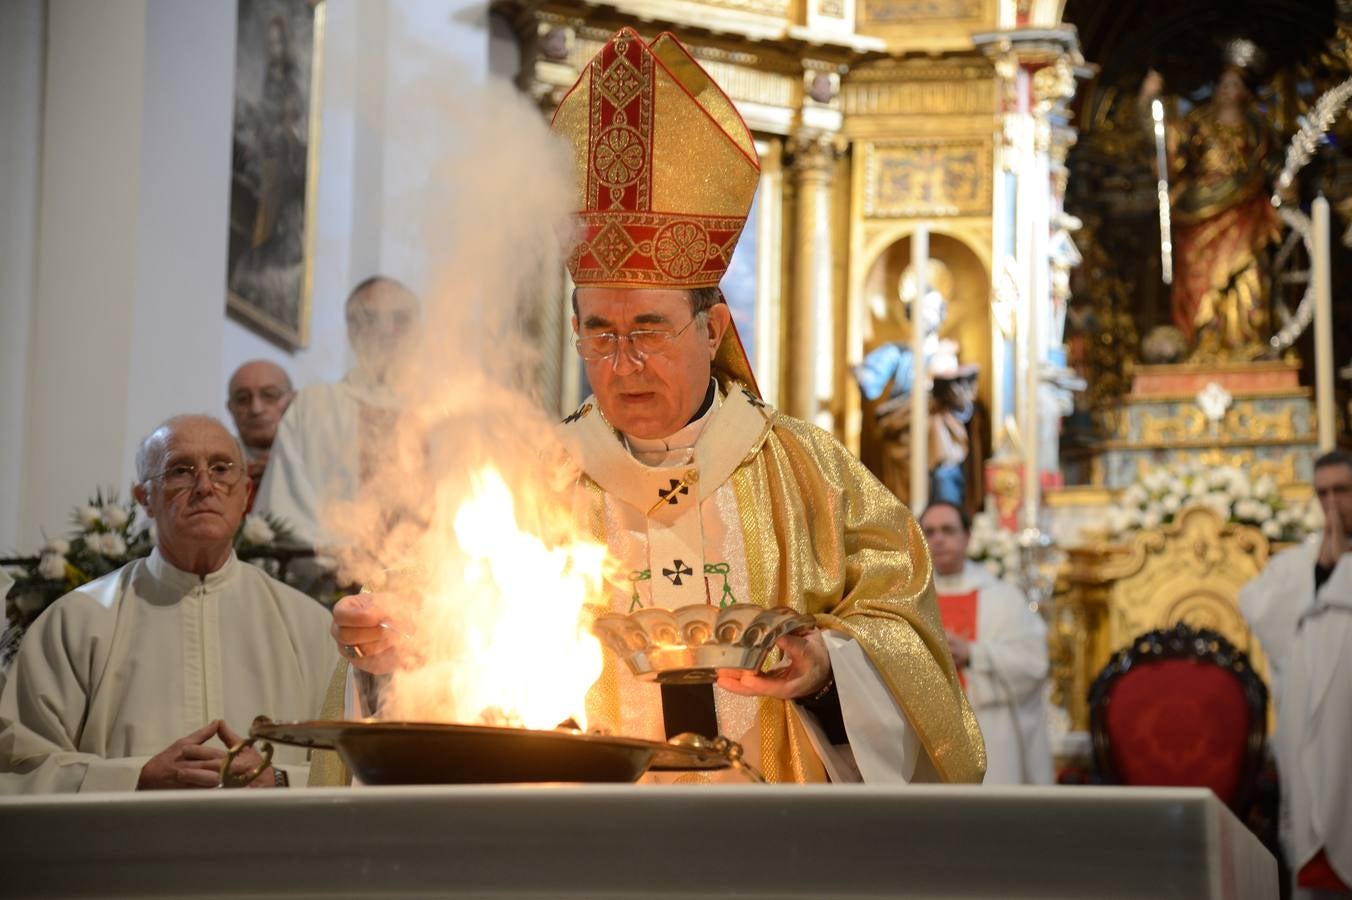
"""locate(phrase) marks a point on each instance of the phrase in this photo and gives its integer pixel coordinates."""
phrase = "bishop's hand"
(805, 671)
(361, 626)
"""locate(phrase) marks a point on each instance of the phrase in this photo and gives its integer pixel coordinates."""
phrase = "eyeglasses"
(644, 343)
(223, 474)
(269, 396)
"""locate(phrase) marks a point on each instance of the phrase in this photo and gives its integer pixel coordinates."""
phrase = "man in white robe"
(333, 435)
(142, 678)
(702, 492)
(999, 645)
(1300, 608)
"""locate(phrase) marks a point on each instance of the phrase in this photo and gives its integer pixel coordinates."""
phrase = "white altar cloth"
(592, 841)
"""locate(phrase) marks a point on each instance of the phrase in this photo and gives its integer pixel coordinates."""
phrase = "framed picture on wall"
(275, 135)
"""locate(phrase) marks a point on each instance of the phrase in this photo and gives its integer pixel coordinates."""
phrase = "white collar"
(163, 570)
(674, 449)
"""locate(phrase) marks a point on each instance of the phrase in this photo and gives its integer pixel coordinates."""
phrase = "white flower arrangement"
(257, 530)
(994, 547)
(1162, 493)
(108, 534)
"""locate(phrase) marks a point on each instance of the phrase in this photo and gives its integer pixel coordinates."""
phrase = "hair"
(150, 453)
(285, 375)
(963, 517)
(702, 299)
(366, 284)
(1334, 458)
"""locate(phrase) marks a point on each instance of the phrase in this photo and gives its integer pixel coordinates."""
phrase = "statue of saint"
(886, 377)
(1222, 219)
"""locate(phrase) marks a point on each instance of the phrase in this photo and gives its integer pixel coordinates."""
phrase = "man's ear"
(720, 318)
(574, 324)
(142, 497)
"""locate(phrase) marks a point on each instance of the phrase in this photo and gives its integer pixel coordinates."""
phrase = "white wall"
(380, 139)
(22, 24)
(127, 139)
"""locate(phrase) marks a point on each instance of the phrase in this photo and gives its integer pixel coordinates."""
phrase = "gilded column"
(811, 344)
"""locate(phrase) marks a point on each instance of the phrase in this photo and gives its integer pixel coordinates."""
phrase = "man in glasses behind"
(260, 392)
(140, 679)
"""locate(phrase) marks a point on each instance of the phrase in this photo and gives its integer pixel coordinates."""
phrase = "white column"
(811, 362)
(1031, 242)
(919, 373)
(1323, 328)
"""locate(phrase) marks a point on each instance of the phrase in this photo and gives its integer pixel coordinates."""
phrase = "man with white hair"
(333, 436)
(125, 682)
(1300, 608)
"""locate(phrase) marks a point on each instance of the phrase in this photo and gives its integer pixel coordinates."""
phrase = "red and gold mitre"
(666, 172)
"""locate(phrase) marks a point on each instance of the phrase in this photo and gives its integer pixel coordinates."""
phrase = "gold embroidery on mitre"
(661, 153)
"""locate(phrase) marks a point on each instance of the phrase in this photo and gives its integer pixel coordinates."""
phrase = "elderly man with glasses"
(701, 491)
(142, 678)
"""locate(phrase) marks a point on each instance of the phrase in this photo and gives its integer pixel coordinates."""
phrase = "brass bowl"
(690, 644)
(435, 753)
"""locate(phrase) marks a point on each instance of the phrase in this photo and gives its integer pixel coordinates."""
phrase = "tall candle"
(1323, 327)
(919, 373)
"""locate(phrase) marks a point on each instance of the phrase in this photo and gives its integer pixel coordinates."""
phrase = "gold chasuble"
(758, 508)
(777, 512)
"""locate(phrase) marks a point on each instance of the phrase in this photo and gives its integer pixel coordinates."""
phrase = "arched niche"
(877, 316)
(968, 321)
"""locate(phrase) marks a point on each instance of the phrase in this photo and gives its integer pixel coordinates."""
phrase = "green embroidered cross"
(634, 578)
(722, 569)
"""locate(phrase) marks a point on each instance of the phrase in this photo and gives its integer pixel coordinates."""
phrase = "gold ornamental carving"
(970, 92)
(833, 8)
(1188, 571)
(1242, 421)
(1053, 84)
(777, 8)
(901, 11)
(814, 156)
(927, 178)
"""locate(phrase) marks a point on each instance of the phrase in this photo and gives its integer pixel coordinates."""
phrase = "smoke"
(458, 502)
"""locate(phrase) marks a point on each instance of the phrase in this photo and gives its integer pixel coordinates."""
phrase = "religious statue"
(1222, 220)
(886, 377)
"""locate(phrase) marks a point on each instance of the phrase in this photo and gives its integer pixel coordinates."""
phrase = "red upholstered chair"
(1183, 708)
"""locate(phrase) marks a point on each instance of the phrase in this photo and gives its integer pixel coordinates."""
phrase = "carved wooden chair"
(1181, 707)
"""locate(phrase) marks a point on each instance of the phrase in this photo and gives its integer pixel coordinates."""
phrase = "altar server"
(142, 678)
(333, 436)
(704, 493)
(999, 645)
(1300, 608)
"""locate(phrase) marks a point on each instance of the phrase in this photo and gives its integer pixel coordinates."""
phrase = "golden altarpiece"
(878, 121)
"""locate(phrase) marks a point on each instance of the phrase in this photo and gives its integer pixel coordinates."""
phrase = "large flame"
(504, 635)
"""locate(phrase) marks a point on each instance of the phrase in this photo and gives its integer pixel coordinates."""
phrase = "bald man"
(139, 680)
(260, 392)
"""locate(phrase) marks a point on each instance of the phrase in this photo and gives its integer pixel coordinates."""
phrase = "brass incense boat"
(690, 644)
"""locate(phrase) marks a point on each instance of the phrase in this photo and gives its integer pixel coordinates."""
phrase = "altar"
(622, 841)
